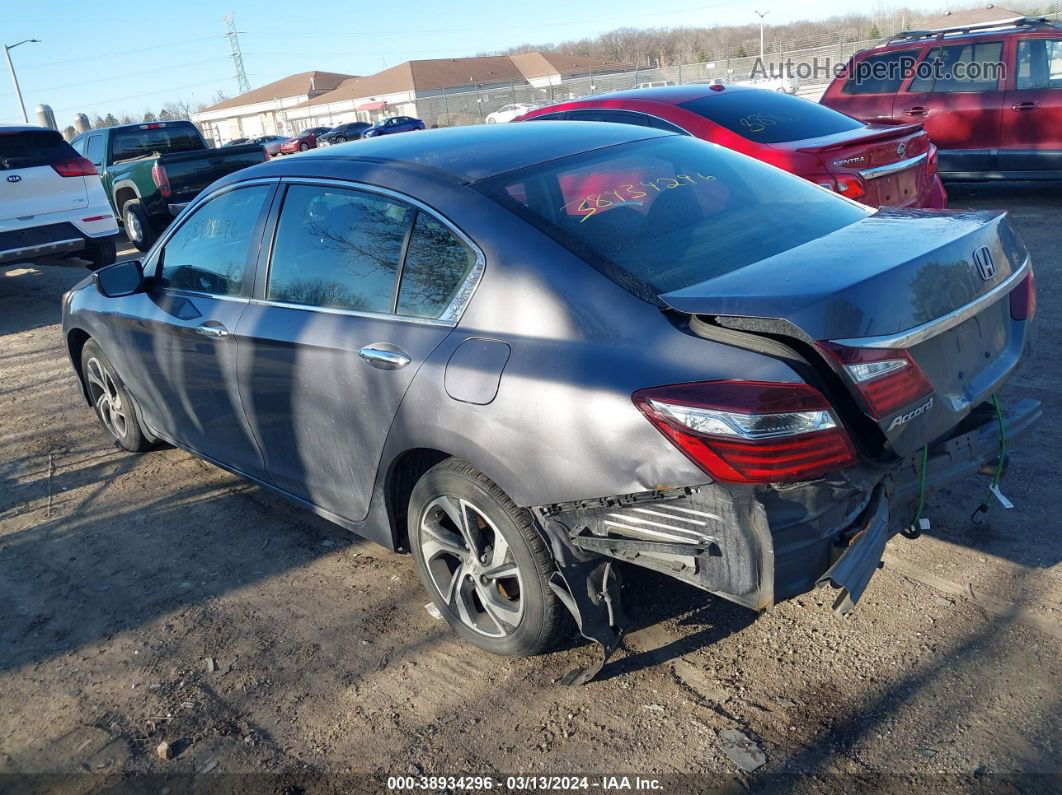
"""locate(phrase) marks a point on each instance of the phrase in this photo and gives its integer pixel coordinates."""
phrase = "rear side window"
(436, 265)
(209, 253)
(94, 149)
(1039, 63)
(137, 142)
(31, 148)
(880, 74)
(770, 117)
(974, 66)
(338, 249)
(660, 215)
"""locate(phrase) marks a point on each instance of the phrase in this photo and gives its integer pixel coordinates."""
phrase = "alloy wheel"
(133, 229)
(471, 566)
(107, 399)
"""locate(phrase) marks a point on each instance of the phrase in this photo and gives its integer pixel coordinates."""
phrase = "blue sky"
(98, 57)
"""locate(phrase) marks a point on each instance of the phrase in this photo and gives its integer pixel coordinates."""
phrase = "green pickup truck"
(151, 171)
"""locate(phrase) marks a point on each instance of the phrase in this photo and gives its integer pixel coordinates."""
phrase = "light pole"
(761, 15)
(14, 78)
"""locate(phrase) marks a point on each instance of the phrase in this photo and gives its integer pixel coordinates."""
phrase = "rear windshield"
(664, 214)
(137, 142)
(29, 148)
(771, 117)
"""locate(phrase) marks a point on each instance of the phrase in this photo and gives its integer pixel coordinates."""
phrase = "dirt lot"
(155, 597)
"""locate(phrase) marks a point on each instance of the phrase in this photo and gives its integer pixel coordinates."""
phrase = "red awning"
(371, 105)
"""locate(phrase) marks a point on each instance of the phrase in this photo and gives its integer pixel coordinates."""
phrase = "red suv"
(878, 164)
(990, 97)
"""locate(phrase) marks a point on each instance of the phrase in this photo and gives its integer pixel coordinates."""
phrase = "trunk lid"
(891, 160)
(915, 281)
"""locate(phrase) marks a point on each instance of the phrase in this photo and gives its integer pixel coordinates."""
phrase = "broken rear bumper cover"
(757, 545)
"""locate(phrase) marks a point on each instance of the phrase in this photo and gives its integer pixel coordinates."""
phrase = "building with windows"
(263, 111)
(444, 91)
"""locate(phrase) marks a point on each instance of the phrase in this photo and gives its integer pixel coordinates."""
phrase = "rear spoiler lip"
(913, 336)
(881, 135)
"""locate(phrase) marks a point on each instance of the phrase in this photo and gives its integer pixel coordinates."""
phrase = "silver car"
(531, 353)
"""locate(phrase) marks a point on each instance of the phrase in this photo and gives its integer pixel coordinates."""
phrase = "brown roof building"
(261, 111)
(987, 15)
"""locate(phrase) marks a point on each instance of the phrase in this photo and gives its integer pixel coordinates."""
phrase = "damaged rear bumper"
(758, 545)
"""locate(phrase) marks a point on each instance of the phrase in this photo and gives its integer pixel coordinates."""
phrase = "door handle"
(212, 330)
(384, 359)
(917, 110)
(1026, 106)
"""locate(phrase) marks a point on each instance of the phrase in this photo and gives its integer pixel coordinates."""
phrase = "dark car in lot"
(300, 142)
(395, 124)
(882, 165)
(989, 96)
(341, 133)
(151, 171)
(524, 352)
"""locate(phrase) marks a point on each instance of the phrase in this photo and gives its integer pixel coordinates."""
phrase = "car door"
(957, 95)
(179, 341)
(360, 288)
(1032, 107)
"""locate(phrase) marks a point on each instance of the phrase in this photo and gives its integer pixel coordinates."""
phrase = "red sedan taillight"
(887, 379)
(750, 431)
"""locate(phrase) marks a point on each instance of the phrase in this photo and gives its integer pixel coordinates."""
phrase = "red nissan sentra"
(882, 165)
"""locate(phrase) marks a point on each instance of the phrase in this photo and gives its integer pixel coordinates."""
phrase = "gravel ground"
(156, 598)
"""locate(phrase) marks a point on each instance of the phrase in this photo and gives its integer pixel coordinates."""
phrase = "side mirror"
(120, 279)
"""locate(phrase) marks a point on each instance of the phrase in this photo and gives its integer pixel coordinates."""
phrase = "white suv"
(51, 200)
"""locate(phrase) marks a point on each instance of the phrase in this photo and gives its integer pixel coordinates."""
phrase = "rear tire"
(114, 408)
(483, 562)
(100, 253)
(138, 227)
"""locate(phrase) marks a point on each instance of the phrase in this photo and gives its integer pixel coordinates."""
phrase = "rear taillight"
(887, 379)
(750, 431)
(75, 167)
(1023, 299)
(851, 186)
(848, 185)
(161, 179)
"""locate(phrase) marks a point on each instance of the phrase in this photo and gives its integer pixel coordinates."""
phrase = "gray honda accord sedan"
(529, 353)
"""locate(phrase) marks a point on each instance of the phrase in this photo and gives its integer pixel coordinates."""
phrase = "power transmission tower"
(237, 56)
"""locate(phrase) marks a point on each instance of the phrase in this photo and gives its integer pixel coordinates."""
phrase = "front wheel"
(112, 403)
(303, 147)
(484, 563)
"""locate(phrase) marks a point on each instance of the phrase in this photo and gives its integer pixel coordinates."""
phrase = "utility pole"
(14, 78)
(237, 55)
(761, 15)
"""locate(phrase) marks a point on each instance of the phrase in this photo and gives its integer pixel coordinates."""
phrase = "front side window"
(771, 117)
(338, 249)
(209, 253)
(1039, 64)
(437, 264)
(94, 149)
(880, 74)
(975, 66)
(667, 213)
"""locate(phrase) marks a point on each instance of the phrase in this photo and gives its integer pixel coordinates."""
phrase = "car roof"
(477, 152)
(14, 128)
(919, 38)
(671, 95)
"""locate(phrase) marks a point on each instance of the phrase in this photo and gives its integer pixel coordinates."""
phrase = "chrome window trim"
(328, 310)
(462, 296)
(912, 336)
(893, 168)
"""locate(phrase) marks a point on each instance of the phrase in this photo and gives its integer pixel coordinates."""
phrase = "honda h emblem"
(901, 149)
(982, 258)
(14, 178)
